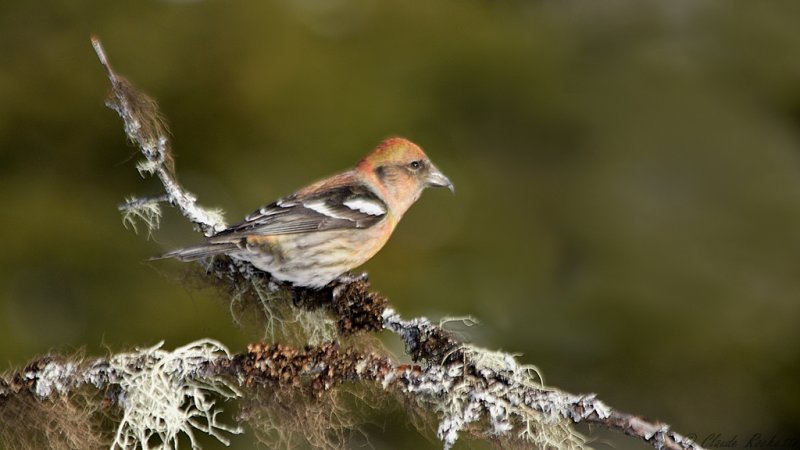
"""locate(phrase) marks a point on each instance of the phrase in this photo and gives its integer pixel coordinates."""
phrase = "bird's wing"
(347, 206)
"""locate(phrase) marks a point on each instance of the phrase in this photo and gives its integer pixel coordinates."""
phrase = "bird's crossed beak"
(437, 179)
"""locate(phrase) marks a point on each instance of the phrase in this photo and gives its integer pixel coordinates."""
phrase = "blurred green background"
(627, 214)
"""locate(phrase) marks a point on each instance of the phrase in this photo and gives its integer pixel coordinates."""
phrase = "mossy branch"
(165, 394)
(155, 396)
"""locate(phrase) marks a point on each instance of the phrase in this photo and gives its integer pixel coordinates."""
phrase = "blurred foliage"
(628, 180)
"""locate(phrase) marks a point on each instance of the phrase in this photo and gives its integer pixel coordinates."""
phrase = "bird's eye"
(415, 165)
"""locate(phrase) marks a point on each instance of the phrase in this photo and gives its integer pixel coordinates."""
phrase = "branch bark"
(469, 389)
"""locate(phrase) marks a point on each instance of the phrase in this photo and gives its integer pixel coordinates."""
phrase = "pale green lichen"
(316, 326)
(163, 396)
(148, 213)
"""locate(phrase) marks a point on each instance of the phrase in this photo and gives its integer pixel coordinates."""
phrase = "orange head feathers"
(401, 171)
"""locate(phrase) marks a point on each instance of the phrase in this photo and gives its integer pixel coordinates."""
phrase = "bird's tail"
(199, 251)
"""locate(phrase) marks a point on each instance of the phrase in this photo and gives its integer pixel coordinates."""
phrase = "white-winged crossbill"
(332, 226)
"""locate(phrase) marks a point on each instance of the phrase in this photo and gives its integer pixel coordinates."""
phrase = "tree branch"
(152, 385)
(145, 126)
(162, 394)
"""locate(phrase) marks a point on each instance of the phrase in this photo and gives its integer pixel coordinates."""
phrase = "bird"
(322, 231)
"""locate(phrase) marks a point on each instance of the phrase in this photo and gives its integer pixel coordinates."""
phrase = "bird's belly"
(312, 259)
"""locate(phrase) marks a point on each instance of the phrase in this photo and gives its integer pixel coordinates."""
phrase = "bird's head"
(403, 170)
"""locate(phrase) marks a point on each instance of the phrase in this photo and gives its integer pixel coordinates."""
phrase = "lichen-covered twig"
(145, 126)
(497, 387)
(165, 394)
(162, 395)
(362, 309)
